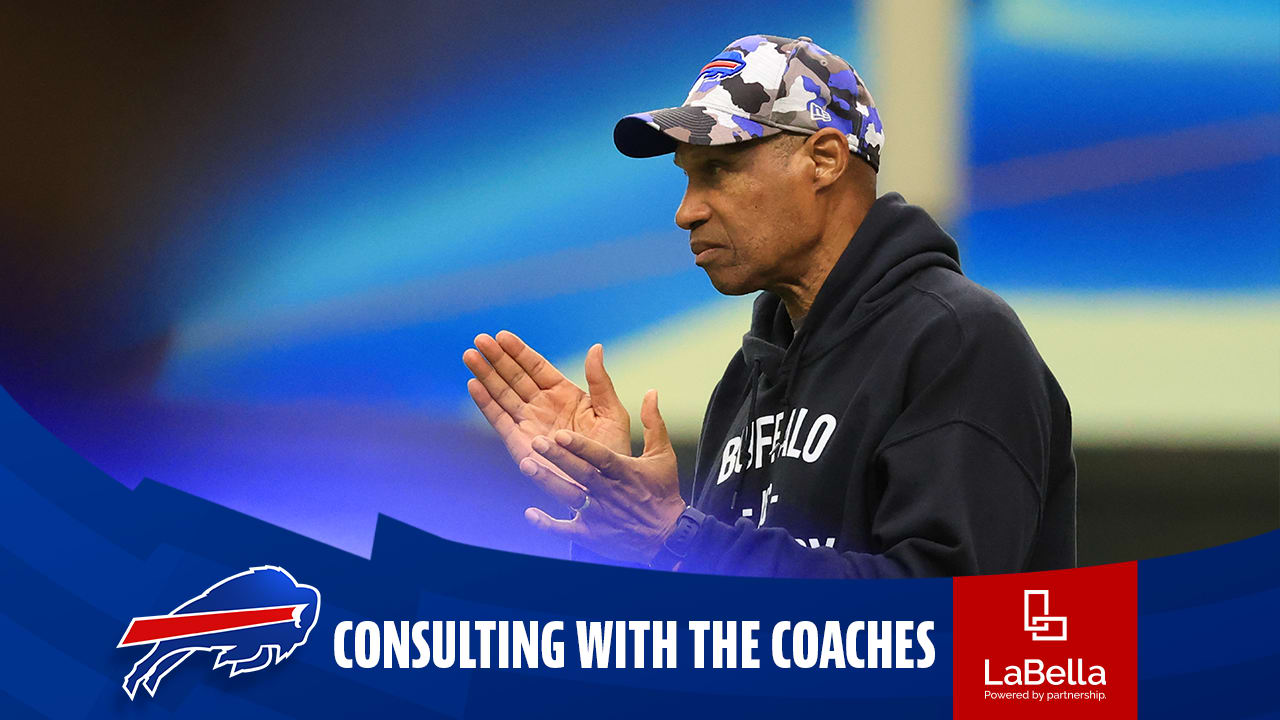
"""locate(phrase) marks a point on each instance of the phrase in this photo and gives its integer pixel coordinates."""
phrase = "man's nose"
(693, 210)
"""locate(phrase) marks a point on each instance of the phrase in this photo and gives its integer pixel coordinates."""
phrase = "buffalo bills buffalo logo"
(726, 64)
(252, 619)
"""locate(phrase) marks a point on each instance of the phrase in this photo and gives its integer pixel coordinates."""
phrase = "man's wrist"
(675, 546)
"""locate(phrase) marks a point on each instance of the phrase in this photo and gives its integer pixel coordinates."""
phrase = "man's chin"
(728, 285)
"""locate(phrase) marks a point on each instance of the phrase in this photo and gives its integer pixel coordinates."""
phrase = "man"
(885, 416)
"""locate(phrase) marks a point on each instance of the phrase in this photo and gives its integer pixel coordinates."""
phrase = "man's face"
(748, 209)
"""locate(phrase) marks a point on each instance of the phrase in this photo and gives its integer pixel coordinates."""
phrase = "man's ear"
(831, 157)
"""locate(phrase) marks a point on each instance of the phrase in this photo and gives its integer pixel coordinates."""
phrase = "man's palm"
(522, 395)
(566, 407)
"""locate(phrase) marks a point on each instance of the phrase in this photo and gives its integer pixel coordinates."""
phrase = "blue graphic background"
(245, 263)
(245, 245)
(81, 555)
(89, 554)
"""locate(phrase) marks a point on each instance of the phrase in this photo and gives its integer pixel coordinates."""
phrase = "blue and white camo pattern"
(758, 86)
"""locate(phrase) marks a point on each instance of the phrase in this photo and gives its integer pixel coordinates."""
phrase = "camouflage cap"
(759, 86)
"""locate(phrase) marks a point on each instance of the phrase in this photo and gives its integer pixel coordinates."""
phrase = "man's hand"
(524, 396)
(632, 502)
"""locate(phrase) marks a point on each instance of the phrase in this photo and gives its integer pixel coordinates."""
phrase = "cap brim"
(657, 132)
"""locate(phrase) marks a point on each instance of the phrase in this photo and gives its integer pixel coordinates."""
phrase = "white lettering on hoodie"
(768, 442)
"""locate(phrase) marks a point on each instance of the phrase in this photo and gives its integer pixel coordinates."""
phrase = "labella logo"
(1015, 658)
(1041, 621)
(253, 619)
(1034, 671)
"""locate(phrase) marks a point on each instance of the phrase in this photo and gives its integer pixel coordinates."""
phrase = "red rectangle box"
(1060, 644)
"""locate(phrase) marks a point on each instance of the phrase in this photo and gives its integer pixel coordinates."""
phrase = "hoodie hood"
(894, 241)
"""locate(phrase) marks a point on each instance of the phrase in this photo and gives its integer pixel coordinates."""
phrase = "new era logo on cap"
(761, 85)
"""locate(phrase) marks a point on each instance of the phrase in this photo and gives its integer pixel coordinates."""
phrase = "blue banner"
(82, 557)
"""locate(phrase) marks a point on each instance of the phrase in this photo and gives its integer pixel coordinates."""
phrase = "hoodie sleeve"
(960, 469)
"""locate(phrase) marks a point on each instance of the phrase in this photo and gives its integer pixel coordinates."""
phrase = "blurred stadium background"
(245, 244)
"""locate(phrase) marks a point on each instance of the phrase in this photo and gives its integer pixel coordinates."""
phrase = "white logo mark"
(1041, 621)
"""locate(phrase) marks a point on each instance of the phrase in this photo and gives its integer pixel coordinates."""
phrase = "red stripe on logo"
(717, 64)
(167, 627)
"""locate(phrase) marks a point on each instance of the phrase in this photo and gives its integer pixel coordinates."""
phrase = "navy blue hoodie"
(909, 428)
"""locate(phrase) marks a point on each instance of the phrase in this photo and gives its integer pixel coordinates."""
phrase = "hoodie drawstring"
(788, 374)
(754, 382)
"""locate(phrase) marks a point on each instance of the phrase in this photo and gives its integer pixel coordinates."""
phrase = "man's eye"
(715, 171)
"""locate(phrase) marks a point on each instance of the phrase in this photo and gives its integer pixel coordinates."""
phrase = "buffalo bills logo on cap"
(726, 64)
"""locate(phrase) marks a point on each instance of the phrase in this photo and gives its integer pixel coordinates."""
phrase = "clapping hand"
(524, 396)
(632, 503)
